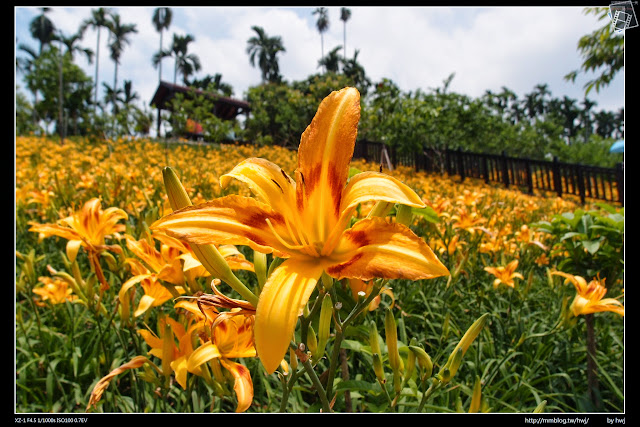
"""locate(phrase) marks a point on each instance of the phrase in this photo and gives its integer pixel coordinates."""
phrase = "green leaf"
(592, 246)
(358, 385)
(427, 213)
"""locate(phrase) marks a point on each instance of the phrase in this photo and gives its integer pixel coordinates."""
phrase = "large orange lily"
(306, 222)
(86, 228)
(589, 296)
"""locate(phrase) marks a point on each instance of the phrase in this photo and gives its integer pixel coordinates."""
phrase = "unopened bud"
(167, 349)
(380, 209)
(453, 363)
(208, 255)
(377, 367)
(476, 398)
(374, 341)
(312, 342)
(324, 323)
(391, 336)
(293, 359)
(424, 361)
(404, 215)
(260, 267)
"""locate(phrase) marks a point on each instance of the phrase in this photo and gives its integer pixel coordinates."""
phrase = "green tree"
(42, 28)
(602, 52)
(45, 79)
(213, 84)
(161, 19)
(185, 63)
(264, 50)
(99, 19)
(120, 34)
(322, 24)
(345, 15)
(331, 62)
(356, 74)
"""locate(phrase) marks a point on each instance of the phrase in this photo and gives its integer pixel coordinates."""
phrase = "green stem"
(435, 385)
(340, 328)
(318, 385)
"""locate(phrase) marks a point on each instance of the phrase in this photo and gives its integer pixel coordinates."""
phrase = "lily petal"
(243, 386)
(268, 182)
(231, 220)
(366, 187)
(202, 354)
(375, 248)
(326, 149)
(281, 301)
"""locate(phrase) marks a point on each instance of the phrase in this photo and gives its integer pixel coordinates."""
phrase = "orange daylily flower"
(589, 297)
(305, 221)
(87, 228)
(505, 275)
(53, 290)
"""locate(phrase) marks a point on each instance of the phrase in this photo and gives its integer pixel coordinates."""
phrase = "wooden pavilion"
(223, 107)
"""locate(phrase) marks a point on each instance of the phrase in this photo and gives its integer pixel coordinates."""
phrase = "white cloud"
(416, 47)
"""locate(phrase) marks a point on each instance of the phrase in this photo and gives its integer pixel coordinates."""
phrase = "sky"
(416, 47)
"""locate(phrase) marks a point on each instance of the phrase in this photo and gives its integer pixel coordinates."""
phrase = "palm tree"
(331, 62)
(161, 20)
(213, 84)
(119, 34)
(185, 63)
(72, 47)
(265, 50)
(355, 71)
(28, 65)
(345, 14)
(99, 19)
(42, 28)
(322, 24)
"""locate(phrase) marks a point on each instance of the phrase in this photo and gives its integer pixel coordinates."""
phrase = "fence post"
(460, 164)
(580, 178)
(485, 168)
(557, 181)
(529, 177)
(620, 182)
(505, 170)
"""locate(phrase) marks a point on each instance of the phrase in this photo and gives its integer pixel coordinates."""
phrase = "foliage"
(525, 356)
(199, 108)
(591, 242)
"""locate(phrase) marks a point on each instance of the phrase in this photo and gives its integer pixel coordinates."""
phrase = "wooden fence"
(562, 178)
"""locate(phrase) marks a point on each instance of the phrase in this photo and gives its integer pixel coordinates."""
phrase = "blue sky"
(416, 47)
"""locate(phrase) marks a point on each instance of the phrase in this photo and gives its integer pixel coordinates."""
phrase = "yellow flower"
(55, 291)
(505, 274)
(589, 297)
(86, 228)
(306, 222)
(467, 220)
(231, 338)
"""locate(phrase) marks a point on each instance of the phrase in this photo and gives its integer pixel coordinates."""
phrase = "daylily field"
(313, 291)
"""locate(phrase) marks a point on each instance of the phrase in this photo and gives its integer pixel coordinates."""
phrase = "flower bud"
(404, 215)
(374, 341)
(476, 398)
(377, 368)
(424, 361)
(293, 359)
(324, 323)
(260, 267)
(208, 255)
(167, 349)
(312, 342)
(391, 335)
(453, 363)
(380, 209)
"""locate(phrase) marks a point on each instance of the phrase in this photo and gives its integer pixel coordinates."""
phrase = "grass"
(530, 352)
